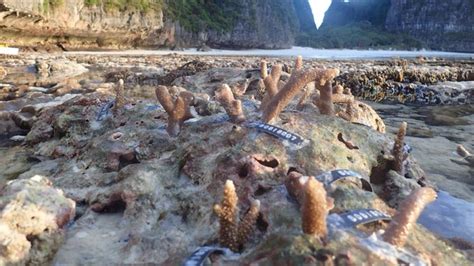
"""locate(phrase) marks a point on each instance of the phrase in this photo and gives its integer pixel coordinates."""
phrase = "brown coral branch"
(295, 185)
(119, 96)
(310, 88)
(165, 99)
(397, 152)
(299, 62)
(188, 99)
(263, 69)
(297, 81)
(231, 234)
(339, 96)
(227, 213)
(271, 85)
(314, 209)
(338, 89)
(401, 224)
(178, 112)
(247, 225)
(325, 102)
(232, 106)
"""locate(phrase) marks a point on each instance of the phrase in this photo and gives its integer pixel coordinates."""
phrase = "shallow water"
(306, 52)
(449, 217)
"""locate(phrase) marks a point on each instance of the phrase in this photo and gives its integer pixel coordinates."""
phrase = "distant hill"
(404, 24)
(243, 24)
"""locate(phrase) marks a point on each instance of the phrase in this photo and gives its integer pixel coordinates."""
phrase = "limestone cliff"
(91, 24)
(438, 24)
(305, 15)
(342, 12)
(256, 24)
(442, 24)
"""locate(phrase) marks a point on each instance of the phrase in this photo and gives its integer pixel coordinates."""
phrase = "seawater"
(306, 52)
(449, 217)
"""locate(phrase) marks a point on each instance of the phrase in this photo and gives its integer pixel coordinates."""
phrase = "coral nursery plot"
(227, 160)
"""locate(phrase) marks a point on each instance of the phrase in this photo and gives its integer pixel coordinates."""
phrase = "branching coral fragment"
(231, 234)
(227, 212)
(263, 69)
(299, 63)
(310, 88)
(178, 112)
(119, 96)
(271, 85)
(247, 225)
(232, 106)
(314, 209)
(339, 96)
(297, 81)
(398, 151)
(401, 224)
(325, 103)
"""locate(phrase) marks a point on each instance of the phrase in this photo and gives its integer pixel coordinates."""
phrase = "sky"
(319, 7)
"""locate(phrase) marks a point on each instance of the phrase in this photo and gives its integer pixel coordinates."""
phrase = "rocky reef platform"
(230, 160)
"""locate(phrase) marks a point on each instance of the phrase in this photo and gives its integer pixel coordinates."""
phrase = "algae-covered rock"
(33, 215)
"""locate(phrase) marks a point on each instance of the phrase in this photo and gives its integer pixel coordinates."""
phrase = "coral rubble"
(33, 215)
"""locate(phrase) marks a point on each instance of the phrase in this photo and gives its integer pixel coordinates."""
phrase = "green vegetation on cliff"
(195, 15)
(357, 24)
(358, 35)
(342, 13)
(51, 4)
(140, 5)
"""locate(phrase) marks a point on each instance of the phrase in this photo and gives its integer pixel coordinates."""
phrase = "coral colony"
(309, 192)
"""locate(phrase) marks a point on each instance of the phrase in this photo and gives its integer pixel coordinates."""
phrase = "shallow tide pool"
(449, 217)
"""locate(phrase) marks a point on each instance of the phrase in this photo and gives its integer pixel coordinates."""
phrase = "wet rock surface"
(143, 196)
(33, 217)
